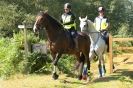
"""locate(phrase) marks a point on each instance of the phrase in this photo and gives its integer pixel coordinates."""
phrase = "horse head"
(43, 19)
(83, 23)
(86, 25)
(39, 23)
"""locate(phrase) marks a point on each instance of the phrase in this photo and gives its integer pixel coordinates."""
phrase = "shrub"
(38, 63)
(10, 56)
(66, 63)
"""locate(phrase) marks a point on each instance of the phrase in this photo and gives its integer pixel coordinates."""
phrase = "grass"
(122, 78)
(45, 81)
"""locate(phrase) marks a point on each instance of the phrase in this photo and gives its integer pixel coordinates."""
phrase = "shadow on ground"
(72, 82)
(119, 74)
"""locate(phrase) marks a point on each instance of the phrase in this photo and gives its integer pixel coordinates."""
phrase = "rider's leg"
(75, 37)
(107, 41)
(76, 42)
(106, 38)
(71, 38)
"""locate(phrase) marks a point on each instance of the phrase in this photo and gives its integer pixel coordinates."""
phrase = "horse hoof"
(84, 77)
(55, 76)
(101, 76)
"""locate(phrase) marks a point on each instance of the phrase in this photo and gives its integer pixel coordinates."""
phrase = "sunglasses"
(66, 9)
(101, 11)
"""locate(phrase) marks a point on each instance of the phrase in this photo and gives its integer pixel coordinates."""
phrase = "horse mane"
(91, 25)
(53, 21)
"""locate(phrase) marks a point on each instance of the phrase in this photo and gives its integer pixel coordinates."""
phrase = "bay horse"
(60, 42)
(98, 44)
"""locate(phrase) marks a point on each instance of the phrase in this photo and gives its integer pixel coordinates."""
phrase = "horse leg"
(55, 76)
(103, 60)
(101, 66)
(86, 67)
(81, 61)
(88, 64)
(56, 59)
(86, 71)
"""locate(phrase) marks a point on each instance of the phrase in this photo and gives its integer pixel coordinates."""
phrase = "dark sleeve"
(72, 20)
(107, 20)
(61, 19)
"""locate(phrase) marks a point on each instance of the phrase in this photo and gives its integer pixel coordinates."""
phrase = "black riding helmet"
(67, 6)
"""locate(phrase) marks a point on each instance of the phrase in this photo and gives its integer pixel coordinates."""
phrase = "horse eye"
(85, 24)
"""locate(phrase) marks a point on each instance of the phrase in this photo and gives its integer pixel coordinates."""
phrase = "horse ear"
(79, 18)
(46, 11)
(41, 11)
(86, 17)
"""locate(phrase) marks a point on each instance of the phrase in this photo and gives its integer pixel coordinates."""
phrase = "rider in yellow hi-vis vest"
(68, 21)
(101, 23)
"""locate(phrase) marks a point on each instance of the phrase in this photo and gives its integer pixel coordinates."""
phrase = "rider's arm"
(107, 24)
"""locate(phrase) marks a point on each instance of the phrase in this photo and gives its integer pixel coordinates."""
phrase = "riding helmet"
(101, 9)
(67, 6)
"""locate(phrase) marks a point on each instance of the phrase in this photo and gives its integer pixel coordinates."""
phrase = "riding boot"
(108, 44)
(76, 43)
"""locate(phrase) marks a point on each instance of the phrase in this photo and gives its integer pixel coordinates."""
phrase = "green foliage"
(9, 15)
(19, 38)
(66, 64)
(38, 63)
(123, 33)
(17, 11)
(10, 56)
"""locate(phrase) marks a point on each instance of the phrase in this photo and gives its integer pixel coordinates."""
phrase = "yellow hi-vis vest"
(101, 23)
(66, 19)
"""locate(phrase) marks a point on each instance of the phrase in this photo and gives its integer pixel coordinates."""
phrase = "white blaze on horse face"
(38, 18)
(34, 27)
(83, 23)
